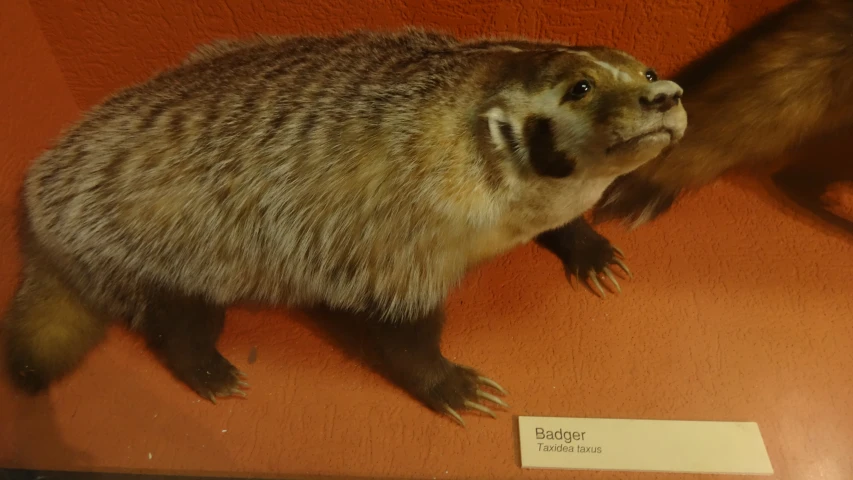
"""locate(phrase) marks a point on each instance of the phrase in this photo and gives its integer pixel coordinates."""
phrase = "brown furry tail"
(48, 329)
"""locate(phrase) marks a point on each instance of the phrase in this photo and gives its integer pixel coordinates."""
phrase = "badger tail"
(48, 329)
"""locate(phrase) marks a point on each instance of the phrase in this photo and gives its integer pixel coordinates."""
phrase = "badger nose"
(661, 96)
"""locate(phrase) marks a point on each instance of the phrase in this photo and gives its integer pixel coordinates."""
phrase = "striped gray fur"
(356, 171)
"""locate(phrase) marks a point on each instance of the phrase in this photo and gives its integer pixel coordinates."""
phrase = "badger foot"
(411, 357)
(587, 255)
(214, 378)
(592, 266)
(462, 389)
(183, 331)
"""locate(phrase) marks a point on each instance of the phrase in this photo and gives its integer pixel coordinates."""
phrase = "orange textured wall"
(31, 87)
(35, 103)
(104, 44)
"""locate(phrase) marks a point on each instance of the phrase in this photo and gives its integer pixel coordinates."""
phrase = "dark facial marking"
(544, 158)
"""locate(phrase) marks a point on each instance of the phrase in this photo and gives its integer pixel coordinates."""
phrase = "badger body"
(365, 172)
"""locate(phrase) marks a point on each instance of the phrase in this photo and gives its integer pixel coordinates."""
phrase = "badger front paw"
(591, 263)
(586, 255)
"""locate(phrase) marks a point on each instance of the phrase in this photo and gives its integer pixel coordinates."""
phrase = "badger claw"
(454, 415)
(491, 398)
(481, 408)
(492, 383)
(623, 267)
(612, 279)
(594, 279)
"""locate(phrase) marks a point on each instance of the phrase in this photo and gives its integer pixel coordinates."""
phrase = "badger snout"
(661, 96)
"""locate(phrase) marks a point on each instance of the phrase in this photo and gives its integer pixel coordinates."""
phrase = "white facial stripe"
(617, 73)
(495, 116)
(548, 99)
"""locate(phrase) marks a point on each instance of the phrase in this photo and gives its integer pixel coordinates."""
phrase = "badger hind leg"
(49, 329)
(411, 355)
(182, 331)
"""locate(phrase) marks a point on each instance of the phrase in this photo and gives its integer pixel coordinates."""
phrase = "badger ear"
(544, 157)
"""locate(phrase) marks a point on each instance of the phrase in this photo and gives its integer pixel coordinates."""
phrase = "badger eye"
(579, 90)
(651, 75)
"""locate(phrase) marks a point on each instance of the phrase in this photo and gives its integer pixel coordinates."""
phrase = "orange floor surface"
(739, 310)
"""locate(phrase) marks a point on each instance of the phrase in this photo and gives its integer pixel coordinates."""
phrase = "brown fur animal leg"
(183, 332)
(585, 254)
(411, 354)
(48, 329)
(634, 200)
